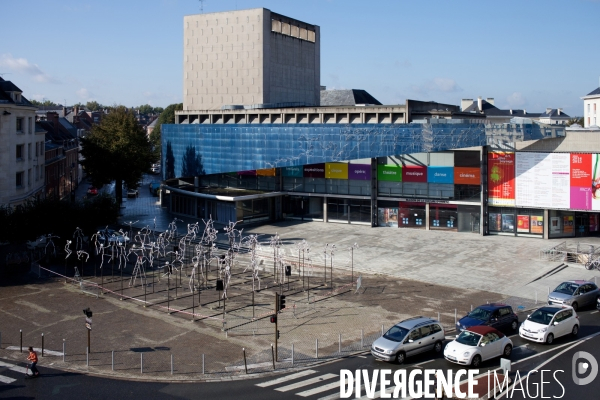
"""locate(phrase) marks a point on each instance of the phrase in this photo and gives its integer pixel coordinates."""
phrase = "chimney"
(64, 111)
(490, 100)
(510, 111)
(76, 110)
(559, 111)
(465, 103)
(524, 111)
(52, 117)
(480, 104)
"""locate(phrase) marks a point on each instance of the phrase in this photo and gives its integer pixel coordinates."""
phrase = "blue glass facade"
(197, 149)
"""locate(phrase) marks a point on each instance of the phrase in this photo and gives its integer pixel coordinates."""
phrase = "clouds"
(84, 94)
(437, 85)
(21, 65)
(516, 100)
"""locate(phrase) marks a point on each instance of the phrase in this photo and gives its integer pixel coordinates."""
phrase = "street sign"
(88, 325)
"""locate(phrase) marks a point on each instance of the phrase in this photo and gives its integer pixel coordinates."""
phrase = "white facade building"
(22, 156)
(591, 108)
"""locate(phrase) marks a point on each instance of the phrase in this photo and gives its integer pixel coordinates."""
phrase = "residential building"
(591, 108)
(21, 148)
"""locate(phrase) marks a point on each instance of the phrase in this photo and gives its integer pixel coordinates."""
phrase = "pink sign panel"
(581, 198)
(359, 172)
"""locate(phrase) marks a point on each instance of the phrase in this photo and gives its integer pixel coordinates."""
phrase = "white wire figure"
(78, 236)
(172, 229)
(96, 242)
(81, 253)
(161, 244)
(122, 254)
(103, 255)
(275, 244)
(67, 249)
(195, 263)
(138, 269)
(49, 242)
(252, 242)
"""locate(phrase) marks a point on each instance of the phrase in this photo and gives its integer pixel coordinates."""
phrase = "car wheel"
(575, 306)
(437, 347)
(550, 339)
(400, 357)
(514, 325)
(507, 351)
(575, 330)
(476, 362)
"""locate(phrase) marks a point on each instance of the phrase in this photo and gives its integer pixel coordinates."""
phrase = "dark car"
(154, 187)
(497, 315)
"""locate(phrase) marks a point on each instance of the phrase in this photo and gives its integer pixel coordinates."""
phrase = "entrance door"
(582, 221)
(475, 222)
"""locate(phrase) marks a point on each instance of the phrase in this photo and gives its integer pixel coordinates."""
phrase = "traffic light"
(288, 270)
(281, 302)
(278, 334)
(88, 312)
(273, 319)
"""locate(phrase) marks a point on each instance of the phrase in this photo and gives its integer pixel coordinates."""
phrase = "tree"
(94, 106)
(146, 109)
(45, 103)
(117, 150)
(575, 120)
(166, 117)
(191, 165)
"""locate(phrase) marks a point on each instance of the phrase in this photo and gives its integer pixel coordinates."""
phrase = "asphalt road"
(322, 382)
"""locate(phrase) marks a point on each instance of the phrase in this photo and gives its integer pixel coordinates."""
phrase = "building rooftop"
(347, 97)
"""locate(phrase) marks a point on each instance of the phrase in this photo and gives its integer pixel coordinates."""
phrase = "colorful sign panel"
(523, 223)
(250, 172)
(336, 170)
(359, 172)
(266, 172)
(389, 173)
(501, 179)
(314, 171)
(537, 224)
(440, 175)
(467, 176)
(414, 173)
(296, 172)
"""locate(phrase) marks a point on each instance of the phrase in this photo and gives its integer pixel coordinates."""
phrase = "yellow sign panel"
(266, 172)
(336, 170)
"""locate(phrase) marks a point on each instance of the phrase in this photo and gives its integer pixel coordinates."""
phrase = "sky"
(525, 54)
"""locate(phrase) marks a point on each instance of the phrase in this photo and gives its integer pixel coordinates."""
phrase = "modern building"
(591, 108)
(21, 148)
(249, 58)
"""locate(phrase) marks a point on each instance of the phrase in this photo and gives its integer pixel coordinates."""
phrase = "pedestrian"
(34, 359)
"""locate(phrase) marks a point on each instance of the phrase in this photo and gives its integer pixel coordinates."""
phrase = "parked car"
(92, 191)
(550, 322)
(155, 169)
(133, 193)
(575, 293)
(407, 338)
(497, 315)
(154, 186)
(477, 344)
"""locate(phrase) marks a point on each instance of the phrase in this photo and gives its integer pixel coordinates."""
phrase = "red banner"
(501, 179)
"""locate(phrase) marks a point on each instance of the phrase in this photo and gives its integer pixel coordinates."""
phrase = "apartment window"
(594, 108)
(29, 177)
(30, 124)
(29, 151)
(588, 108)
(19, 125)
(19, 179)
(20, 150)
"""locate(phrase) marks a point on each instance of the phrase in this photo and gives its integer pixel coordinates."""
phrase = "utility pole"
(276, 324)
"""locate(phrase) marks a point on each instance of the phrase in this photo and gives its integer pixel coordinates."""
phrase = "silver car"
(575, 293)
(409, 337)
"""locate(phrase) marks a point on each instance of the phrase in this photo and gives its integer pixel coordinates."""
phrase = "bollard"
(317, 348)
(87, 356)
(292, 354)
(382, 330)
(112, 360)
(64, 352)
(202, 364)
(471, 307)
(21, 332)
(548, 290)
(273, 355)
(339, 342)
(42, 344)
(536, 297)
(362, 339)
(141, 363)
(0, 340)
(439, 316)
(455, 320)
(245, 364)
(171, 364)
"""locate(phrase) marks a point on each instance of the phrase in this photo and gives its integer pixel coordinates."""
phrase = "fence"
(576, 253)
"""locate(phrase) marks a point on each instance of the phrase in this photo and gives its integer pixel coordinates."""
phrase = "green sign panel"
(389, 173)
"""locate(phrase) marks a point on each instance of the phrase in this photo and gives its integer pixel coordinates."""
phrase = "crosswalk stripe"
(6, 379)
(320, 389)
(287, 378)
(13, 367)
(306, 382)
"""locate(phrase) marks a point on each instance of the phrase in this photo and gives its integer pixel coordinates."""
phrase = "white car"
(477, 344)
(548, 323)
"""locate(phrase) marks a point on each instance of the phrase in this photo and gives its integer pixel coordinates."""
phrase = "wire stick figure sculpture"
(78, 237)
(138, 269)
(81, 253)
(67, 249)
(252, 242)
(50, 242)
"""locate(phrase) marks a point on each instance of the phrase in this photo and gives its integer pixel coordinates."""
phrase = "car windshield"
(396, 333)
(469, 338)
(480, 313)
(542, 316)
(566, 288)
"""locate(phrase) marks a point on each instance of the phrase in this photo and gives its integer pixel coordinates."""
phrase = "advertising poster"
(388, 217)
(501, 177)
(523, 223)
(555, 225)
(543, 180)
(581, 178)
(537, 224)
(568, 224)
(389, 173)
(508, 223)
(414, 173)
(336, 170)
(495, 222)
(467, 176)
(595, 182)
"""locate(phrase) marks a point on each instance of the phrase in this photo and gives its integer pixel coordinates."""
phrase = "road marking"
(13, 367)
(419, 364)
(361, 356)
(286, 378)
(306, 382)
(594, 312)
(6, 379)
(320, 389)
(336, 395)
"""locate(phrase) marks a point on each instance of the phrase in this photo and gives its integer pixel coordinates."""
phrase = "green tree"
(46, 103)
(575, 120)
(117, 150)
(145, 109)
(166, 117)
(93, 106)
